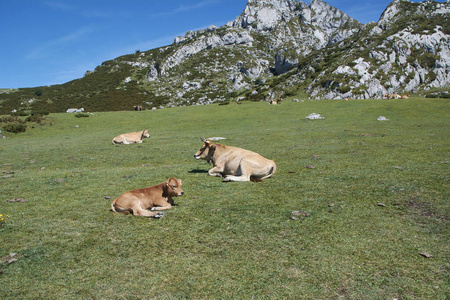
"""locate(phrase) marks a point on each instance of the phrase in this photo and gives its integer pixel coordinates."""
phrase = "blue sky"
(47, 42)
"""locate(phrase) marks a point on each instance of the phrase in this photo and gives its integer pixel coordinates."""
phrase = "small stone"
(17, 200)
(300, 213)
(426, 255)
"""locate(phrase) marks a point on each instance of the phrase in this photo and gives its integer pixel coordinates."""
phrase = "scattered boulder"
(314, 116)
(16, 200)
(75, 110)
(9, 259)
(298, 214)
(426, 255)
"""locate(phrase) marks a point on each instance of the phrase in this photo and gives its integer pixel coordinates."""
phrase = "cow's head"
(145, 134)
(206, 152)
(173, 187)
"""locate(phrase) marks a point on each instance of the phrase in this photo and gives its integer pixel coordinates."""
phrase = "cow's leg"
(243, 177)
(216, 171)
(247, 168)
(139, 211)
(165, 207)
(146, 213)
(241, 174)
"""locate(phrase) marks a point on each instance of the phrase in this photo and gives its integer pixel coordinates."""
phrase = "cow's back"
(232, 157)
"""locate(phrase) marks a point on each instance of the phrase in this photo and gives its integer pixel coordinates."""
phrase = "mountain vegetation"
(273, 49)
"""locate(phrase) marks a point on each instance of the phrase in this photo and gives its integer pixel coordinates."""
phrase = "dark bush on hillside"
(15, 127)
(438, 95)
(35, 118)
(343, 89)
(19, 113)
(290, 91)
(11, 119)
(80, 115)
(40, 112)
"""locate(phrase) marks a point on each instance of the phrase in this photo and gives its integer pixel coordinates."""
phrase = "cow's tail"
(118, 209)
(272, 170)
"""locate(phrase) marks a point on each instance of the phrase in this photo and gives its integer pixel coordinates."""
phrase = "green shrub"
(343, 89)
(290, 91)
(15, 127)
(19, 113)
(35, 118)
(40, 112)
(11, 119)
(81, 115)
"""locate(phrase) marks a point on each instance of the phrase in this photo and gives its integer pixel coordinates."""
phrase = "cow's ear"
(203, 139)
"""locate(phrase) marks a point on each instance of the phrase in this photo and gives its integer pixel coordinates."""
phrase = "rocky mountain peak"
(398, 9)
(263, 15)
(329, 17)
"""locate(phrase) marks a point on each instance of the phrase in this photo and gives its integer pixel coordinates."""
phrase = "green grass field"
(374, 200)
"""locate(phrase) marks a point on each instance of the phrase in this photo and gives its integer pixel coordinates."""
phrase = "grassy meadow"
(372, 196)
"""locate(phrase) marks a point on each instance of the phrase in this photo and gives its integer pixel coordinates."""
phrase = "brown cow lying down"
(235, 164)
(157, 197)
(131, 138)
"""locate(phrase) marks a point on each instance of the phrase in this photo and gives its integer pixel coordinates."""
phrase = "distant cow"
(75, 110)
(137, 107)
(131, 138)
(394, 96)
(235, 164)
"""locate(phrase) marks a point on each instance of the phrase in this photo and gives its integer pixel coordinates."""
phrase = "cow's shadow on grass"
(197, 171)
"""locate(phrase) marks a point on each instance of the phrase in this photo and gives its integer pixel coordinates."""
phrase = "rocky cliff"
(266, 40)
(405, 51)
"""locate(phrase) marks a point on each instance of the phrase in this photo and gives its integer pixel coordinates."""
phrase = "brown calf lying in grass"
(131, 138)
(157, 197)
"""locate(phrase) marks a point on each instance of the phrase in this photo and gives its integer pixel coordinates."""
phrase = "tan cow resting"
(157, 197)
(131, 138)
(235, 164)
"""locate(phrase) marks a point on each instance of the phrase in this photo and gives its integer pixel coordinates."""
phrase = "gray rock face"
(264, 15)
(271, 37)
(322, 25)
(412, 58)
